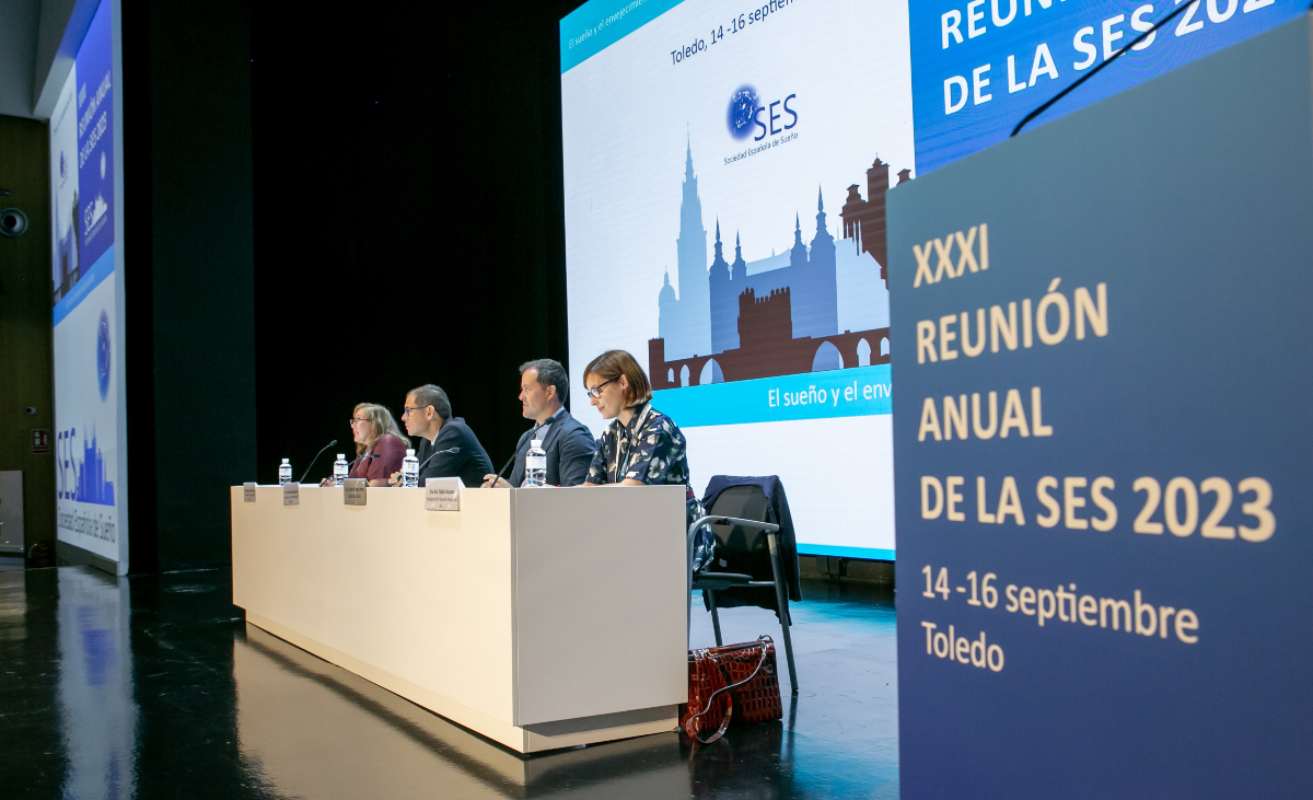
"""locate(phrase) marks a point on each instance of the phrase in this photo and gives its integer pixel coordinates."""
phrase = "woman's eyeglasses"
(596, 391)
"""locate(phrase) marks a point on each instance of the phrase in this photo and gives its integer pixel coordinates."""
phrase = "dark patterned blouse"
(650, 449)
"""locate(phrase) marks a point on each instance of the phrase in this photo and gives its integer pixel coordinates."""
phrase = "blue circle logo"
(742, 112)
(103, 355)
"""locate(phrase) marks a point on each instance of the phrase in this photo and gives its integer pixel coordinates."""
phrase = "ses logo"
(748, 117)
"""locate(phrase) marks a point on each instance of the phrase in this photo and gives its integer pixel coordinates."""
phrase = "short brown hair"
(550, 373)
(430, 395)
(614, 363)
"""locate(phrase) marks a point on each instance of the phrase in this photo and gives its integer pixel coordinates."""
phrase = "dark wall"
(408, 217)
(324, 209)
(189, 273)
(26, 377)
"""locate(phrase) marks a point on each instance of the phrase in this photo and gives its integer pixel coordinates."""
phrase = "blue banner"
(867, 553)
(855, 392)
(980, 66)
(598, 24)
(95, 125)
(102, 269)
(1102, 446)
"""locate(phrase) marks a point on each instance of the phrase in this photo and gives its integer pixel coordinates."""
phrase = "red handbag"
(720, 678)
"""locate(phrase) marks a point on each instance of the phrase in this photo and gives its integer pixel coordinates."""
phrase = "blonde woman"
(380, 445)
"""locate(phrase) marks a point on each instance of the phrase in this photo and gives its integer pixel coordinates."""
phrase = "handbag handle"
(689, 725)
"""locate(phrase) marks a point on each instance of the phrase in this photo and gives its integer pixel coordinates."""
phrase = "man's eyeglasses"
(596, 391)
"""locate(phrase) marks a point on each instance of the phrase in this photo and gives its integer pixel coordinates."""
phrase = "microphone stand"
(305, 474)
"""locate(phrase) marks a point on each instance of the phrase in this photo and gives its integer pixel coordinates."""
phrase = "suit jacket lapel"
(555, 430)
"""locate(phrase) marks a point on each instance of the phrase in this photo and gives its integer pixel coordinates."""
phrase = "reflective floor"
(155, 687)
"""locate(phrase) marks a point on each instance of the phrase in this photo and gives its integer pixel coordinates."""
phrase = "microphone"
(533, 434)
(505, 467)
(1074, 84)
(429, 457)
(449, 451)
(316, 458)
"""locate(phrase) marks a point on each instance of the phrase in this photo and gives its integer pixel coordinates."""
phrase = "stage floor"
(155, 687)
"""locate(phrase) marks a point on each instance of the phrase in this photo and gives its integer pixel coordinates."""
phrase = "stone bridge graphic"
(764, 324)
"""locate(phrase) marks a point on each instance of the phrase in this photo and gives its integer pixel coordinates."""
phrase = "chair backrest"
(747, 502)
(746, 551)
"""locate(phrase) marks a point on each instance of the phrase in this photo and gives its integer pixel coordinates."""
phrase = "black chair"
(751, 567)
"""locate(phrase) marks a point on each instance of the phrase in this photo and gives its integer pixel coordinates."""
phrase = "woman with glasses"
(641, 446)
(380, 447)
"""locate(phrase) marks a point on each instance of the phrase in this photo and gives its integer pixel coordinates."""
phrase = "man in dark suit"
(544, 386)
(447, 446)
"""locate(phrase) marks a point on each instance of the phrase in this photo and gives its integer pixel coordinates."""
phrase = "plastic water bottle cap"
(409, 452)
(536, 444)
(285, 461)
(341, 457)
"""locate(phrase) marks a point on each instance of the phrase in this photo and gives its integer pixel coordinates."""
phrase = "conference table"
(538, 618)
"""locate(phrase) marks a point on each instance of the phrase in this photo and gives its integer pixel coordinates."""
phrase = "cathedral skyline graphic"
(83, 479)
(819, 305)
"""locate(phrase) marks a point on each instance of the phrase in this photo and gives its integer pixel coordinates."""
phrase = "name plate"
(248, 492)
(442, 494)
(353, 491)
(291, 494)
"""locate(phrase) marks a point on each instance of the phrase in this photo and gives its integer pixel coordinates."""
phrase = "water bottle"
(340, 470)
(285, 472)
(410, 469)
(535, 465)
